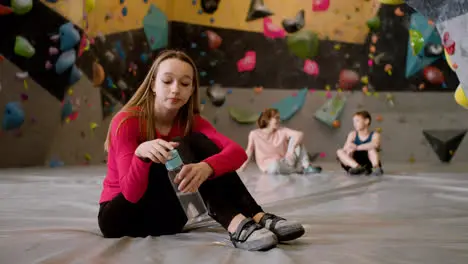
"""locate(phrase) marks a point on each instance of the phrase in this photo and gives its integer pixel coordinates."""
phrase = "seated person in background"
(278, 149)
(360, 154)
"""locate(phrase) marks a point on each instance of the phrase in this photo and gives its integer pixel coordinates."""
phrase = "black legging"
(159, 211)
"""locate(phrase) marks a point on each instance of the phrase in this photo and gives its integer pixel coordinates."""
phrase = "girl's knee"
(273, 167)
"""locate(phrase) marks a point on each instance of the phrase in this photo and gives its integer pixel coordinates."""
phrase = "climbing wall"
(63, 77)
(310, 44)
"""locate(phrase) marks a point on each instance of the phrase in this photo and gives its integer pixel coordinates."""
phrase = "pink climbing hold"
(53, 51)
(272, 31)
(370, 63)
(311, 68)
(48, 65)
(83, 44)
(248, 62)
(320, 5)
(323, 154)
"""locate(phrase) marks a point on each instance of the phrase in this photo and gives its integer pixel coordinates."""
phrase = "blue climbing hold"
(156, 28)
(67, 108)
(144, 58)
(200, 12)
(229, 91)
(194, 45)
(65, 61)
(69, 36)
(203, 101)
(194, 2)
(13, 116)
(75, 75)
(212, 82)
(124, 11)
(122, 1)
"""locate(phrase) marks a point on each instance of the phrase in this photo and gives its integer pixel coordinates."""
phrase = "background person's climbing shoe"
(377, 172)
(285, 230)
(357, 171)
(253, 237)
(312, 169)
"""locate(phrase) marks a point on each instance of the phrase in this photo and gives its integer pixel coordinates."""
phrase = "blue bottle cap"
(175, 160)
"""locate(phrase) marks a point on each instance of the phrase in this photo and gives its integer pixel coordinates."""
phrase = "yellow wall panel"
(137, 9)
(344, 21)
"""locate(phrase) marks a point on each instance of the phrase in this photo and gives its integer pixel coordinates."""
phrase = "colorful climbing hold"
(348, 79)
(416, 40)
(311, 67)
(296, 24)
(5, 10)
(23, 47)
(209, 6)
(248, 62)
(75, 75)
(374, 23)
(433, 75)
(90, 5)
(98, 74)
(257, 10)
(21, 7)
(304, 44)
(399, 12)
(320, 5)
(13, 116)
(155, 26)
(392, 2)
(461, 97)
(65, 61)
(124, 11)
(214, 40)
(272, 31)
(69, 36)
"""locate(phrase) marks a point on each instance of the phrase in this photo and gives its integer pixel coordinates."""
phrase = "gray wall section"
(399, 140)
(48, 137)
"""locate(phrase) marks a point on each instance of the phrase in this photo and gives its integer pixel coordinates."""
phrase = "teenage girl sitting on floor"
(360, 154)
(138, 199)
(277, 149)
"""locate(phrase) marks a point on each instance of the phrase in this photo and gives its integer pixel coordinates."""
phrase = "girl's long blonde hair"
(141, 104)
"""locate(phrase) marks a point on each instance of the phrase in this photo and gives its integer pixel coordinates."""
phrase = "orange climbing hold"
(336, 124)
(399, 12)
(98, 74)
(258, 89)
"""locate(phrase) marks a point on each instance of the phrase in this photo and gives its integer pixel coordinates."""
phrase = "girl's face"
(173, 85)
(360, 123)
(274, 122)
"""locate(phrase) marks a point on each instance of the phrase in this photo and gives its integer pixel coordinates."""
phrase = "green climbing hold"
(21, 7)
(243, 116)
(416, 40)
(304, 44)
(374, 23)
(24, 48)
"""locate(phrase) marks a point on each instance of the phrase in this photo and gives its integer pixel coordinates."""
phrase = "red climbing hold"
(5, 10)
(214, 40)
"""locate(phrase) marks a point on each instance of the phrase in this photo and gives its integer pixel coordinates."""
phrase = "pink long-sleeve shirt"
(128, 174)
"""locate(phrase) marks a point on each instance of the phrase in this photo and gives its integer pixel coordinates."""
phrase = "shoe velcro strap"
(246, 228)
(274, 220)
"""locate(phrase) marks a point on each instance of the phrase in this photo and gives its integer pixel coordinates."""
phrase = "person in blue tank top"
(360, 153)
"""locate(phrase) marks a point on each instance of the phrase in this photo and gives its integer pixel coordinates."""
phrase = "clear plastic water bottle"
(192, 203)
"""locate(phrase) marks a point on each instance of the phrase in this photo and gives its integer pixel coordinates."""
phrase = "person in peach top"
(277, 149)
